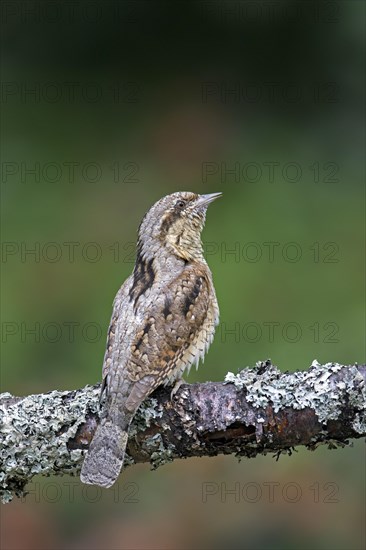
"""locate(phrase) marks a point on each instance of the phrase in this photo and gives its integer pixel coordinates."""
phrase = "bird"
(163, 321)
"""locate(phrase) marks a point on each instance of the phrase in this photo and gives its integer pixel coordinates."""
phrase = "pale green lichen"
(146, 413)
(359, 423)
(154, 446)
(34, 432)
(314, 388)
(160, 454)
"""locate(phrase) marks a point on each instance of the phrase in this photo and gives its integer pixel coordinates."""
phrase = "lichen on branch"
(256, 411)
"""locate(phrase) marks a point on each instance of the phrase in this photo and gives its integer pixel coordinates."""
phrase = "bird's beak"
(204, 200)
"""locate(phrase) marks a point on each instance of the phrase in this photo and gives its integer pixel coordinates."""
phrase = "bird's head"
(175, 223)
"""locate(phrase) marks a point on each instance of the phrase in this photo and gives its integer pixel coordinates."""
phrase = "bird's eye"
(180, 204)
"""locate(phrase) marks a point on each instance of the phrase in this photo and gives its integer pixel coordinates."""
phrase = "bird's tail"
(104, 460)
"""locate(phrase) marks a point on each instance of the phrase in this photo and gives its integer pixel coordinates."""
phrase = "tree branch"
(259, 410)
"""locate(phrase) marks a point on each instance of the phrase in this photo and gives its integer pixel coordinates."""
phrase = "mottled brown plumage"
(163, 321)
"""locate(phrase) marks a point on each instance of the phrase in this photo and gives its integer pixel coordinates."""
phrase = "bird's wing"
(119, 317)
(166, 340)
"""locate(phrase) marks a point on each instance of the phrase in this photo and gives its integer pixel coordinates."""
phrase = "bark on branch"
(259, 410)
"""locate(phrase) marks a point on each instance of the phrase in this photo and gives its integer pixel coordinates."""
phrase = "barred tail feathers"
(104, 460)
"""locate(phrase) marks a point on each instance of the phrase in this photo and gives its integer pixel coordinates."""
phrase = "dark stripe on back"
(191, 297)
(167, 306)
(146, 329)
(143, 277)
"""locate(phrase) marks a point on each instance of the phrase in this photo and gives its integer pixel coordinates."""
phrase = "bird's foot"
(176, 387)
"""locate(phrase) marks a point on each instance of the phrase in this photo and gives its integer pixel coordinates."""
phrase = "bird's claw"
(176, 387)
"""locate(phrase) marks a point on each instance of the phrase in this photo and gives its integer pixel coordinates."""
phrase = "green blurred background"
(107, 106)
